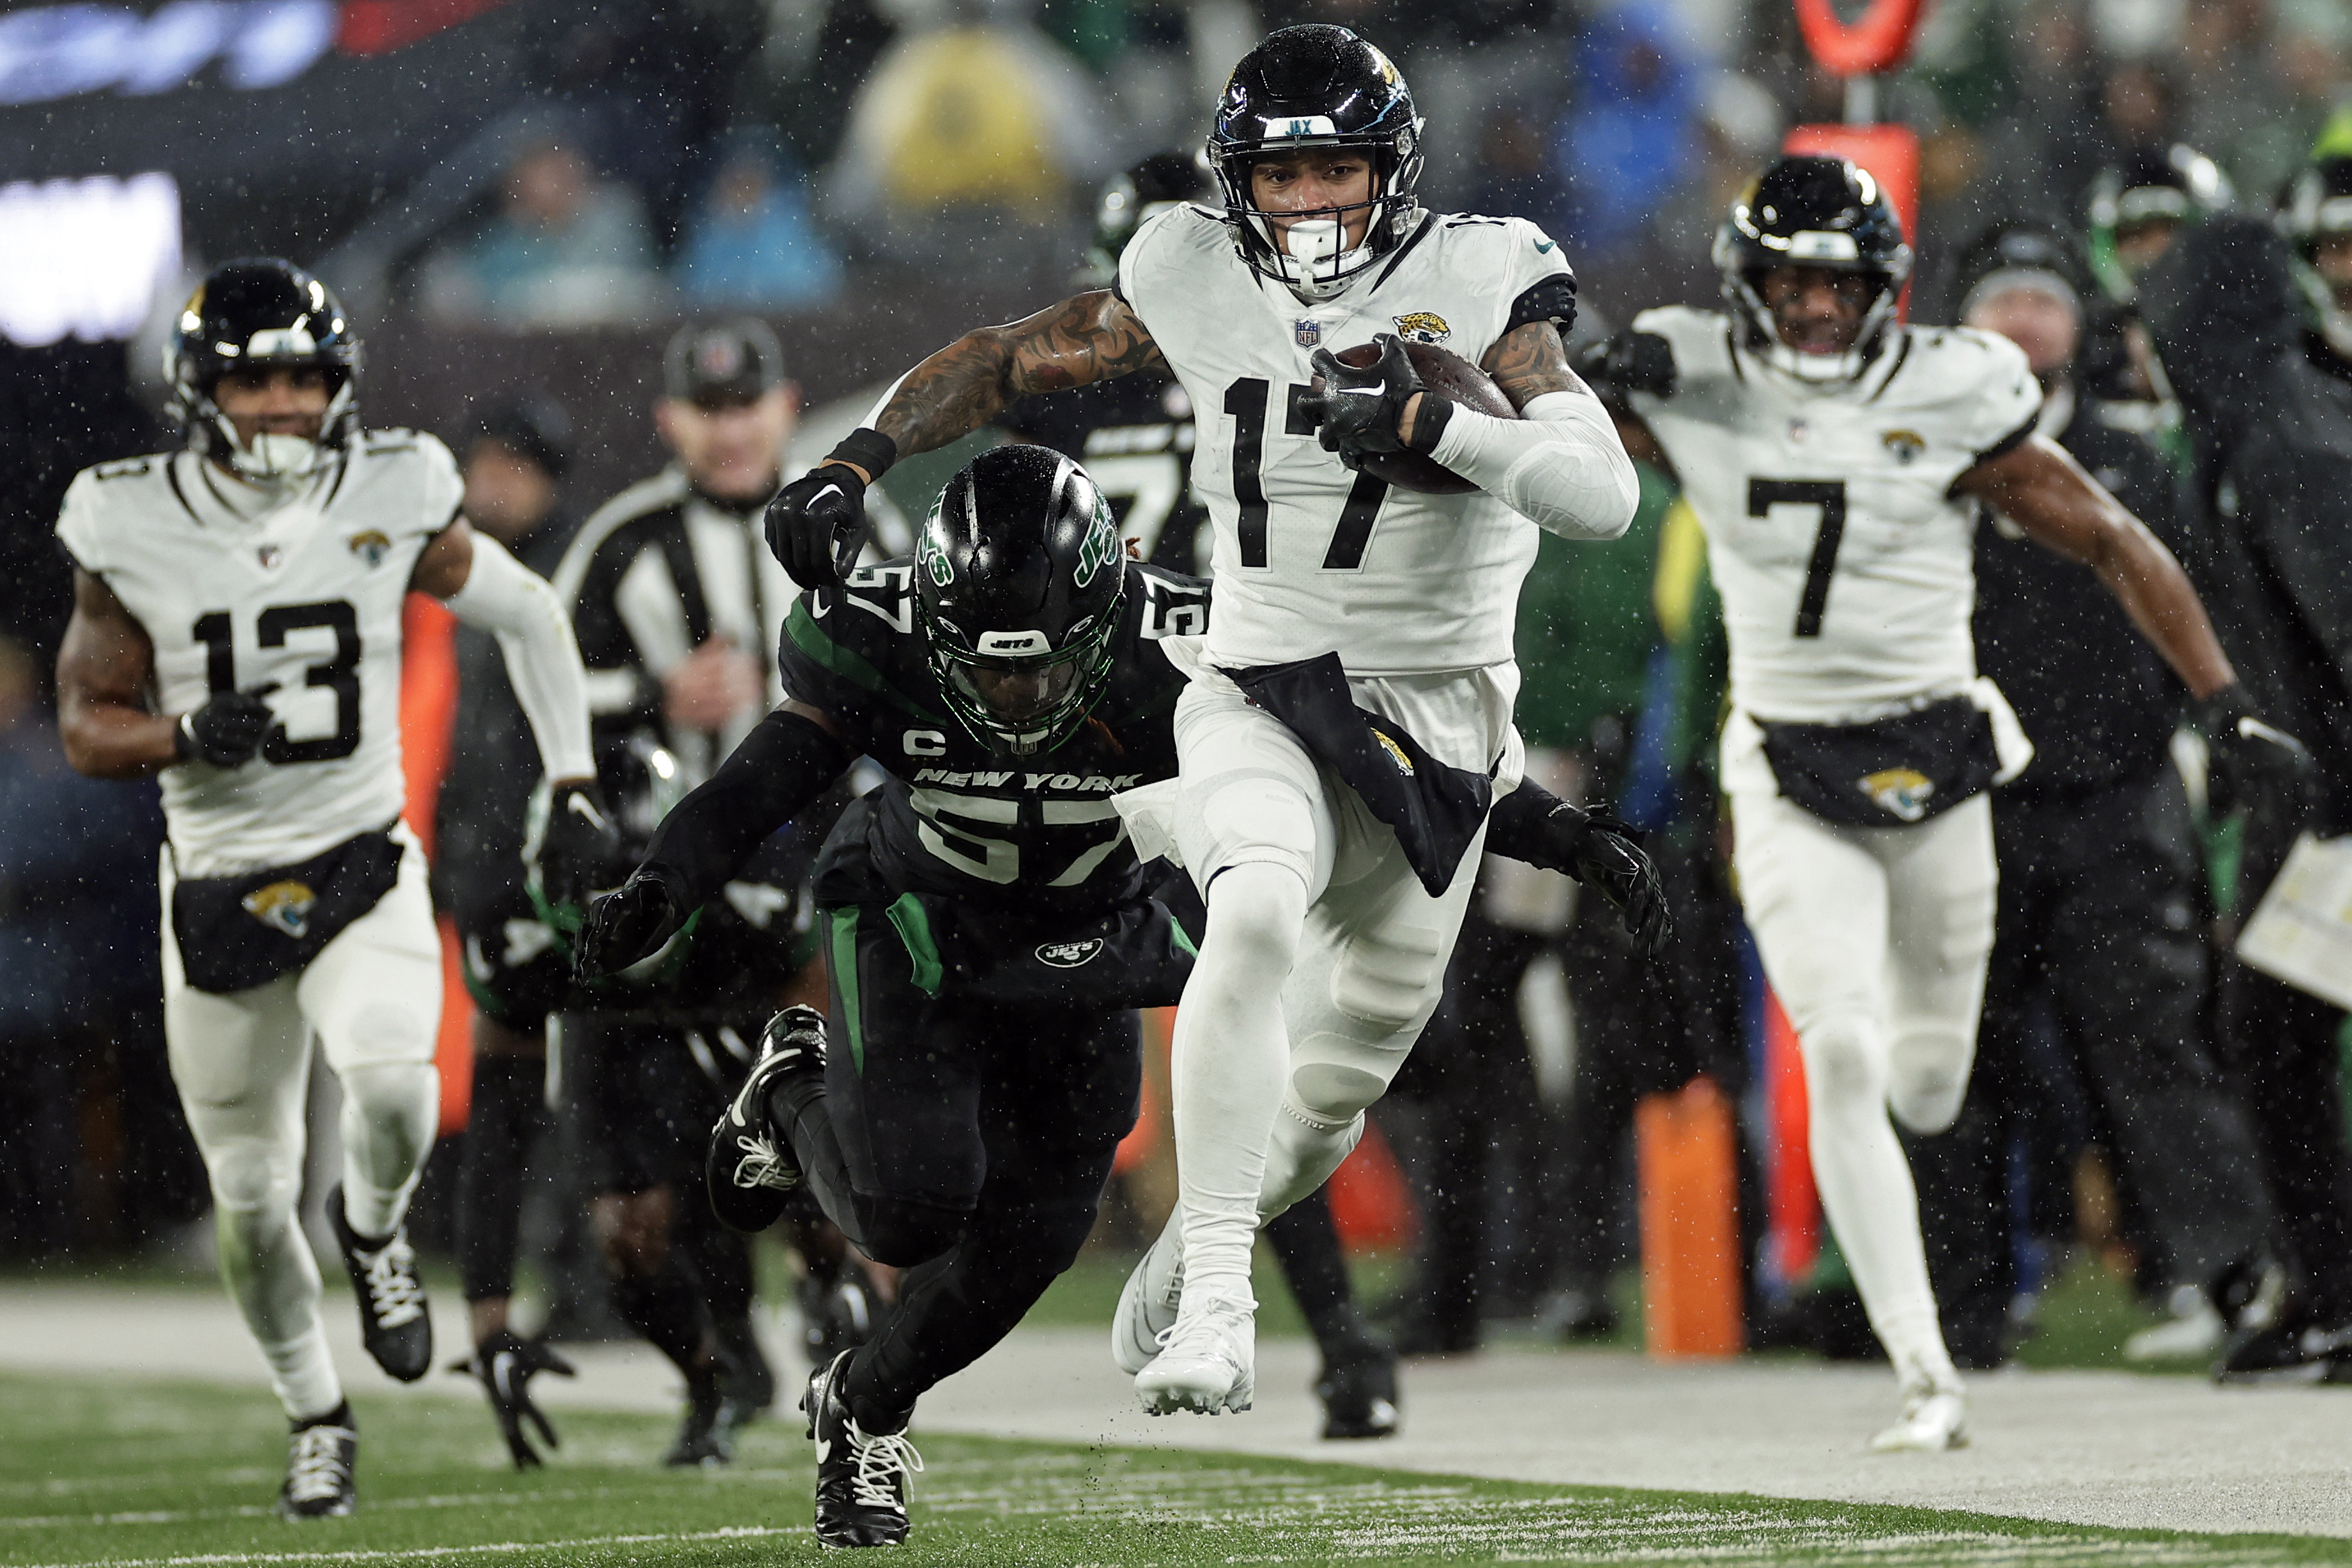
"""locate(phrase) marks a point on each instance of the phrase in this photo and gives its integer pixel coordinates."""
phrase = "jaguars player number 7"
(237, 631)
(1377, 617)
(1836, 458)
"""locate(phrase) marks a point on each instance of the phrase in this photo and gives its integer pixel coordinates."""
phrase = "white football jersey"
(1844, 562)
(307, 594)
(1310, 557)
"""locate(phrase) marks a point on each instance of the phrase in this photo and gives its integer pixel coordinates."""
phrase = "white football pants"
(372, 999)
(1323, 958)
(1876, 939)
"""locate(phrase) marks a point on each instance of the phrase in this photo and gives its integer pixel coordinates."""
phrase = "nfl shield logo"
(1308, 334)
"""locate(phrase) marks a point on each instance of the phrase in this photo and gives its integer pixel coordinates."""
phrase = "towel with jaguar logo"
(238, 932)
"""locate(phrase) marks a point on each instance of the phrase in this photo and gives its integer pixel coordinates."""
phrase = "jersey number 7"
(1829, 496)
(1246, 400)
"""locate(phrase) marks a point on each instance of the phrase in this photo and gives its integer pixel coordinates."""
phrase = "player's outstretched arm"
(103, 673)
(2038, 485)
(1533, 824)
(816, 524)
(788, 760)
(1631, 361)
(484, 586)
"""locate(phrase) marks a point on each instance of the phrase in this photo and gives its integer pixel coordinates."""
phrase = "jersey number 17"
(1246, 401)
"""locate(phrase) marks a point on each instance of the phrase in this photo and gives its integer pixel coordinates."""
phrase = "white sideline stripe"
(732, 1532)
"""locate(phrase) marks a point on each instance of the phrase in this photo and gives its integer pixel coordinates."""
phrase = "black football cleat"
(861, 1476)
(2298, 1348)
(707, 1435)
(394, 1324)
(750, 1171)
(322, 1469)
(1358, 1391)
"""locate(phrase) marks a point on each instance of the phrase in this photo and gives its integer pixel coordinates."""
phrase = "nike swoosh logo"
(824, 1449)
(502, 1374)
(581, 806)
(1544, 245)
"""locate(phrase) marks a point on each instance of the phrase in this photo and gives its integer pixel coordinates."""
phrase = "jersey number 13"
(339, 674)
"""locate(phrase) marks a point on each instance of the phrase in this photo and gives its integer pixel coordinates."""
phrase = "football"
(1441, 370)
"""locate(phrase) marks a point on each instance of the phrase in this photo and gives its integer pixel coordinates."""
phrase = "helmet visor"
(1018, 697)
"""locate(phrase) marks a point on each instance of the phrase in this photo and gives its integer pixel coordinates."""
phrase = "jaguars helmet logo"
(1422, 327)
(1395, 751)
(1905, 446)
(284, 907)
(371, 546)
(1901, 793)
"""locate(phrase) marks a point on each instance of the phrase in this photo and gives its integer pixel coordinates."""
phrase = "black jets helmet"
(1813, 212)
(1019, 580)
(1317, 86)
(2020, 255)
(261, 311)
(1161, 181)
(2317, 206)
(2175, 186)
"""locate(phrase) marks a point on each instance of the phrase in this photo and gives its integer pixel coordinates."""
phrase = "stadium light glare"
(86, 259)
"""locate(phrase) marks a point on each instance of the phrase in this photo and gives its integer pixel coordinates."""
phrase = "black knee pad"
(904, 1232)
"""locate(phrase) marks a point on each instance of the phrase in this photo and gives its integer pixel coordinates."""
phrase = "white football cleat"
(1147, 1303)
(1935, 1418)
(1208, 1364)
(2194, 1332)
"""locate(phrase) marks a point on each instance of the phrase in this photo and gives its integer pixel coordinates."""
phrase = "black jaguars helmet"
(1019, 580)
(2316, 206)
(1160, 182)
(261, 311)
(1317, 86)
(1813, 212)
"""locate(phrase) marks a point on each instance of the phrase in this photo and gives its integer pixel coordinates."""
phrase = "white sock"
(267, 1264)
(1230, 1054)
(1866, 1192)
(391, 1112)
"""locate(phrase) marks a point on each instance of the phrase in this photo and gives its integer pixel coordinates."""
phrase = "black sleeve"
(1551, 298)
(1533, 824)
(783, 765)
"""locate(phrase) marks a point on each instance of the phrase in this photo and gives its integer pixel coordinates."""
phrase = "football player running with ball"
(991, 927)
(236, 630)
(1837, 459)
(1336, 870)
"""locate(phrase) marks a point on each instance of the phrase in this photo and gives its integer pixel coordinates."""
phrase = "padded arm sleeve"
(504, 596)
(786, 761)
(1561, 466)
(1523, 826)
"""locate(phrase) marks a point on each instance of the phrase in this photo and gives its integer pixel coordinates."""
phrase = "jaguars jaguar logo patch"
(1396, 754)
(1903, 446)
(1901, 793)
(1422, 327)
(1068, 954)
(284, 907)
(371, 546)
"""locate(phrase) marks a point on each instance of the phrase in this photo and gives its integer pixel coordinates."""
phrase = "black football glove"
(580, 845)
(1606, 856)
(1356, 411)
(816, 524)
(505, 1364)
(2248, 761)
(1630, 361)
(626, 926)
(226, 731)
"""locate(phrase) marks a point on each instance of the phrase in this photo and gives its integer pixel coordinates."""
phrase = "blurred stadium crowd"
(534, 193)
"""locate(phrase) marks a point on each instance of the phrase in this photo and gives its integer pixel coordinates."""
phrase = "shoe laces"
(1222, 1318)
(395, 1295)
(763, 1164)
(317, 1469)
(884, 1462)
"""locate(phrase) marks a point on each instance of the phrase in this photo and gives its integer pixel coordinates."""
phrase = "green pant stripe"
(844, 980)
(1183, 942)
(913, 924)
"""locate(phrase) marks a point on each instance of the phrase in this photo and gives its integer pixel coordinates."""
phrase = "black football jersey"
(956, 817)
(1133, 434)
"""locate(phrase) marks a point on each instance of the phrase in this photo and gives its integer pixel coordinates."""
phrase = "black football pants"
(966, 1142)
(2100, 924)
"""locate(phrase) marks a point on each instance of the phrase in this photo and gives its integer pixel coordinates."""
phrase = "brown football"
(1441, 370)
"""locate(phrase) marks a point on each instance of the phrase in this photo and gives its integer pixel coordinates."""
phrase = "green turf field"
(123, 1471)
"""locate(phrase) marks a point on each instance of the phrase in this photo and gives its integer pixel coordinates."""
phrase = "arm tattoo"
(1529, 363)
(1090, 338)
(956, 391)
